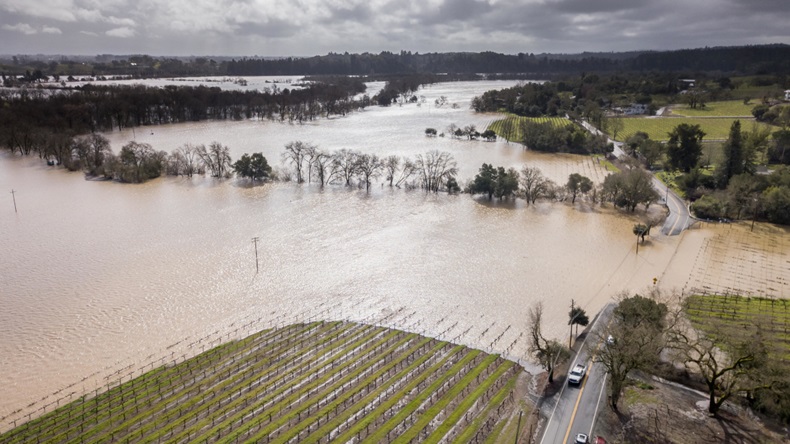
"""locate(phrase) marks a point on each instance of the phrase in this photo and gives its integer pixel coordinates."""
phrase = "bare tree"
(345, 165)
(323, 166)
(435, 168)
(406, 172)
(548, 353)
(533, 183)
(390, 165)
(368, 166)
(451, 129)
(189, 161)
(309, 157)
(296, 154)
(215, 159)
(730, 362)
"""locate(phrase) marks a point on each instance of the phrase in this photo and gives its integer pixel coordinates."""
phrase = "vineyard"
(309, 382)
(658, 128)
(510, 127)
(744, 313)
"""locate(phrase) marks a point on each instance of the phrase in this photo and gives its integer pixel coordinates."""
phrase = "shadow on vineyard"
(314, 382)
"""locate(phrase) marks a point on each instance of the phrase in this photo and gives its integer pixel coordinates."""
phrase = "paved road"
(679, 218)
(577, 406)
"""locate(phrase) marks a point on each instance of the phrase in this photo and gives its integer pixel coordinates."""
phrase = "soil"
(653, 410)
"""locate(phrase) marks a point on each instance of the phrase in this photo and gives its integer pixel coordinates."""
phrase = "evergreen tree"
(684, 147)
(733, 162)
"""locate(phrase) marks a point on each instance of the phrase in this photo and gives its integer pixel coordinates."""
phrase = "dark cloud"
(308, 27)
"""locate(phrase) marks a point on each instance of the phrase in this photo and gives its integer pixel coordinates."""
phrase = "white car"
(577, 374)
(581, 438)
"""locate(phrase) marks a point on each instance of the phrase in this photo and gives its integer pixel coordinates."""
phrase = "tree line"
(625, 189)
(35, 120)
(743, 60)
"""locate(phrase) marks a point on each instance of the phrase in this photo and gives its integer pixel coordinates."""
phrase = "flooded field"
(101, 280)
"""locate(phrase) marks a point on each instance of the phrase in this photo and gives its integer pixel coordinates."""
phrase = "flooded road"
(101, 280)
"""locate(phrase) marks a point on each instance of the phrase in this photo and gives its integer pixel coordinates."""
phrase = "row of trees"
(137, 162)
(743, 59)
(625, 189)
(469, 131)
(32, 121)
(433, 171)
(547, 137)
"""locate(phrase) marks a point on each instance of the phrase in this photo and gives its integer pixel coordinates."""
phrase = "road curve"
(679, 217)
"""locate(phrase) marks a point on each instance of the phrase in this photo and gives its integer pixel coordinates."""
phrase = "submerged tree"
(254, 166)
(578, 184)
(533, 183)
(139, 162)
(434, 169)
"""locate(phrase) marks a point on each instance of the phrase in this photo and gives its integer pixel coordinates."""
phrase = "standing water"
(99, 279)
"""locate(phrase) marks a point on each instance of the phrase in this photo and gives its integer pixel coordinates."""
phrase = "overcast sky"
(313, 27)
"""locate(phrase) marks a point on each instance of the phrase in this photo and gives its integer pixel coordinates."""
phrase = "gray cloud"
(309, 27)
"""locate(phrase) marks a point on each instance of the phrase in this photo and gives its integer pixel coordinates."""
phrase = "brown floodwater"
(100, 280)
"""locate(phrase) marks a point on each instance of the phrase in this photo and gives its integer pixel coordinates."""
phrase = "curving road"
(577, 407)
(679, 217)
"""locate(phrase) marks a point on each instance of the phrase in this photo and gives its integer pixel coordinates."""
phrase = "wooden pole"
(13, 196)
(255, 241)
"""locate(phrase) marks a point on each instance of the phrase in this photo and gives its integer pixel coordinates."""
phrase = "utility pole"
(255, 241)
(13, 197)
(518, 428)
(570, 336)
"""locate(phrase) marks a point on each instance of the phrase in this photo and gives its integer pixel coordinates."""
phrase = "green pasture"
(658, 128)
(745, 314)
(513, 133)
(315, 382)
(728, 108)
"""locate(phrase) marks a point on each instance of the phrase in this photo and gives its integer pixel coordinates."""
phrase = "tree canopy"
(254, 166)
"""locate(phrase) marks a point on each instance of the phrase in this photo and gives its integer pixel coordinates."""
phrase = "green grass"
(658, 128)
(742, 313)
(729, 108)
(300, 382)
(606, 164)
(514, 134)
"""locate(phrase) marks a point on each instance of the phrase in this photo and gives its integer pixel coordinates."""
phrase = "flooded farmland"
(100, 279)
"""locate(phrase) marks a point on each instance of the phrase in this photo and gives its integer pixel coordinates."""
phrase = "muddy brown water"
(100, 280)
